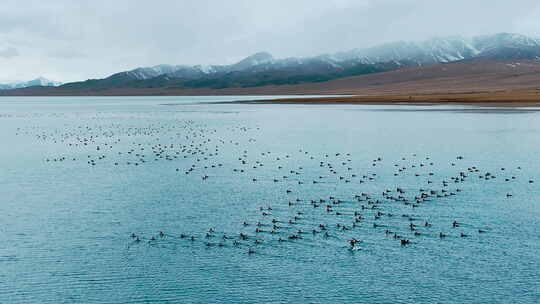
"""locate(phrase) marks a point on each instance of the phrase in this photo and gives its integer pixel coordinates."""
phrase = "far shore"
(417, 94)
(513, 98)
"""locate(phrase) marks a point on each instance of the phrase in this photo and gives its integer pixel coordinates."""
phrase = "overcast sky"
(70, 40)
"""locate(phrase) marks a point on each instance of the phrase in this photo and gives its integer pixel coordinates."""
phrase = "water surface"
(67, 210)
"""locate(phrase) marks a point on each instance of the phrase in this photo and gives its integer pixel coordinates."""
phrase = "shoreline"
(516, 98)
(529, 98)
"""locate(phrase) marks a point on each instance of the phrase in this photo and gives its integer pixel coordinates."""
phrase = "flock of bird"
(388, 197)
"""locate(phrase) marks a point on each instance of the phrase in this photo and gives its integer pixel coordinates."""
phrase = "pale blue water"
(65, 225)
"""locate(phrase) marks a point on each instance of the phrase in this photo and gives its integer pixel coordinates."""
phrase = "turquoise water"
(68, 210)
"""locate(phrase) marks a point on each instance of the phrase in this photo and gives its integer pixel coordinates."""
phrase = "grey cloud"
(9, 52)
(66, 54)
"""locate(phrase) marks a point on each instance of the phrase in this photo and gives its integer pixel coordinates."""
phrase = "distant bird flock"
(194, 150)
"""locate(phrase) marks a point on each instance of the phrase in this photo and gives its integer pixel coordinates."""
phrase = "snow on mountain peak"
(401, 53)
(253, 60)
(40, 81)
(488, 42)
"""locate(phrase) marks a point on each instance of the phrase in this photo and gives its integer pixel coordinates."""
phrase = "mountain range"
(43, 82)
(263, 70)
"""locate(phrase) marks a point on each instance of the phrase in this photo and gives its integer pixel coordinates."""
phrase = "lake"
(183, 200)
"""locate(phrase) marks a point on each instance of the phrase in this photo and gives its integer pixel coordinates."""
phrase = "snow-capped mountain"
(196, 71)
(437, 50)
(36, 82)
(442, 50)
(403, 53)
(258, 59)
(262, 69)
(489, 42)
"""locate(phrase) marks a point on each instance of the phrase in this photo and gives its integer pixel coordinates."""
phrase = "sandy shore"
(512, 98)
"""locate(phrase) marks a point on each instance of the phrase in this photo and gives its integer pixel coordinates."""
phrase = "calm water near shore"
(80, 175)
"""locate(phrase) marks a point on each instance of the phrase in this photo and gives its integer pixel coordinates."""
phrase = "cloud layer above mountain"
(73, 40)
